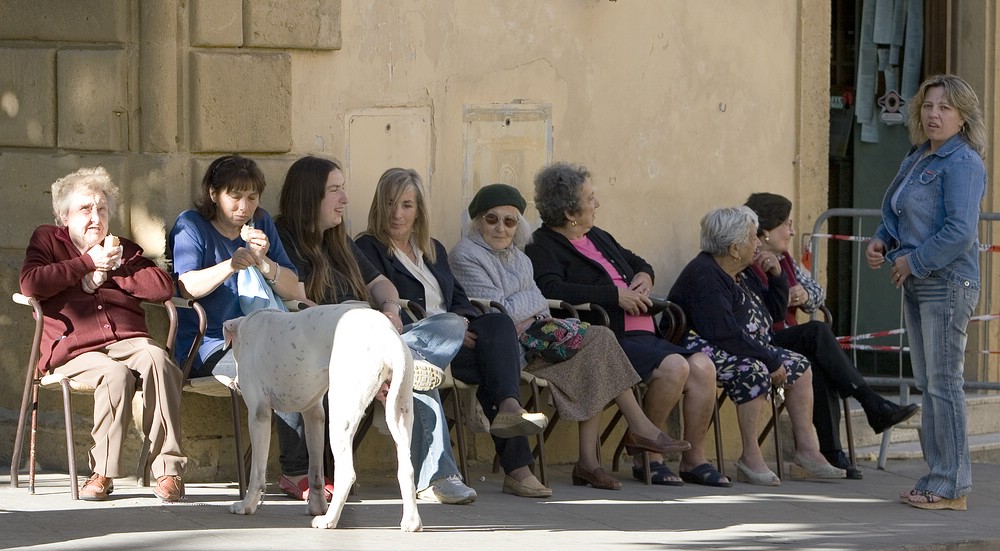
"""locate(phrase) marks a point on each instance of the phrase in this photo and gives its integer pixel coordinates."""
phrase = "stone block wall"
(153, 91)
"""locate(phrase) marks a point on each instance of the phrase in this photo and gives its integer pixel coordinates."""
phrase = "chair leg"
(775, 413)
(22, 418)
(717, 428)
(70, 445)
(539, 450)
(31, 444)
(142, 468)
(616, 458)
(241, 469)
(460, 434)
(852, 453)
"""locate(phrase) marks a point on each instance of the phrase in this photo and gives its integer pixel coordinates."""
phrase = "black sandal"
(706, 475)
(660, 474)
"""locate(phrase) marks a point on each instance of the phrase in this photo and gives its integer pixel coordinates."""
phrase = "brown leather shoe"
(635, 444)
(96, 488)
(169, 488)
(597, 478)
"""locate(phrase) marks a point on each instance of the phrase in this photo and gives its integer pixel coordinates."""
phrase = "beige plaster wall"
(675, 107)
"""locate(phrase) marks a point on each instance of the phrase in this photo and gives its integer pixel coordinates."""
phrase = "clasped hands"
(105, 260)
(875, 255)
(635, 300)
(253, 254)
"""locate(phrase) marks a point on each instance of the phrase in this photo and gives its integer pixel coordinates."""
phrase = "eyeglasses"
(494, 219)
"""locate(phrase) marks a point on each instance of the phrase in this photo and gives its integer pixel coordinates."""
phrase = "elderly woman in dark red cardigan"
(95, 329)
(578, 262)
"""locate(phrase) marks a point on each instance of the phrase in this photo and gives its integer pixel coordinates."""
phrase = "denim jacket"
(935, 224)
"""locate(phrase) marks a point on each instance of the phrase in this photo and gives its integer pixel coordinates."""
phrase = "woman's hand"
(642, 283)
(633, 302)
(900, 271)
(767, 262)
(242, 259)
(779, 377)
(93, 280)
(105, 259)
(797, 296)
(258, 242)
(393, 316)
(875, 253)
(470, 339)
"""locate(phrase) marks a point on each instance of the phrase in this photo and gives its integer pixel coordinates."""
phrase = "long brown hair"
(391, 186)
(298, 206)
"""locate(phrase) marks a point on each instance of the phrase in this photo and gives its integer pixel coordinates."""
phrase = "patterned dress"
(744, 378)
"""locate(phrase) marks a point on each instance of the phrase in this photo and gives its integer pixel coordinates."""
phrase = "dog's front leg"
(259, 421)
(313, 419)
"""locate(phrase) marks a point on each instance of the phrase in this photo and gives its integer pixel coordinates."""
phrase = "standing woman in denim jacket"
(928, 236)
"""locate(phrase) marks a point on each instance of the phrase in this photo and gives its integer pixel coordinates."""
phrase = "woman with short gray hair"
(730, 314)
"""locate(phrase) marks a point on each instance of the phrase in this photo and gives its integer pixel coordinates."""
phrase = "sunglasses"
(493, 220)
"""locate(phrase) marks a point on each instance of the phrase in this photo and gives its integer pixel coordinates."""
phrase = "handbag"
(554, 339)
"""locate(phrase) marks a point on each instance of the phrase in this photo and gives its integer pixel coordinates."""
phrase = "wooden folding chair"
(53, 381)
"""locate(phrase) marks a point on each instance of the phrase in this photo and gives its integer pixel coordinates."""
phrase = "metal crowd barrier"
(904, 384)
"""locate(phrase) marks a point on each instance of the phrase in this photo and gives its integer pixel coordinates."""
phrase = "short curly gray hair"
(93, 179)
(557, 191)
(724, 227)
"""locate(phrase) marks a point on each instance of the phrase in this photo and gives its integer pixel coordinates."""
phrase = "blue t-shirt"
(195, 244)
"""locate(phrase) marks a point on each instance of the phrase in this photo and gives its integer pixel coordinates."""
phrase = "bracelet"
(399, 307)
(277, 272)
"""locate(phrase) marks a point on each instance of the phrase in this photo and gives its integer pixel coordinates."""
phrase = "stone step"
(984, 448)
(983, 419)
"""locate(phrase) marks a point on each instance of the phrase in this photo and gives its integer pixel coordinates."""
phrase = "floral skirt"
(744, 378)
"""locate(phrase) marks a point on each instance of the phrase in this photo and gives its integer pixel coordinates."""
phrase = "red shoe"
(300, 491)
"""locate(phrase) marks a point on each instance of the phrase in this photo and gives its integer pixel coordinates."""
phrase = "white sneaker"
(450, 490)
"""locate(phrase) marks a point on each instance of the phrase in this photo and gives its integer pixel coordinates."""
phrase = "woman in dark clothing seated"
(332, 270)
(399, 244)
(730, 316)
(578, 262)
(834, 376)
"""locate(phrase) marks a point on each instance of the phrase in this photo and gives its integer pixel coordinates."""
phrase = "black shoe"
(839, 459)
(889, 414)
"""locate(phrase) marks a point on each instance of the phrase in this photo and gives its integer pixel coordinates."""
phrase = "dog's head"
(229, 334)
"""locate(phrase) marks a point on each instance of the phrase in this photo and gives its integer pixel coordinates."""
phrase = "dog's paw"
(411, 525)
(323, 523)
(317, 509)
(238, 509)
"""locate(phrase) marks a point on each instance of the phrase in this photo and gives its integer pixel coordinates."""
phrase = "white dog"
(288, 361)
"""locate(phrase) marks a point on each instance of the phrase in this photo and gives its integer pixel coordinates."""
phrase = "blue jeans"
(937, 312)
(437, 339)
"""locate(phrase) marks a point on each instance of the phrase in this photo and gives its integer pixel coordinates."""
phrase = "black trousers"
(495, 365)
(834, 377)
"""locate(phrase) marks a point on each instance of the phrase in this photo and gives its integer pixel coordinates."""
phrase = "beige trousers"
(115, 373)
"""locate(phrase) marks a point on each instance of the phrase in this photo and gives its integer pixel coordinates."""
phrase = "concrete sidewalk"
(842, 514)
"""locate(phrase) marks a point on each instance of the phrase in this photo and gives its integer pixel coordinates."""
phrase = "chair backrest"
(36, 340)
(573, 310)
(192, 352)
(674, 315)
